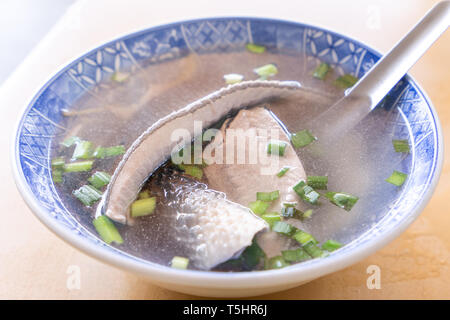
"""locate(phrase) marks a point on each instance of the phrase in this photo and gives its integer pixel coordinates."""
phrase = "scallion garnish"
(268, 196)
(276, 147)
(345, 81)
(271, 218)
(252, 255)
(254, 48)
(58, 163)
(317, 182)
(233, 78)
(143, 207)
(397, 178)
(296, 255)
(179, 262)
(302, 138)
(307, 214)
(303, 237)
(282, 172)
(108, 152)
(57, 175)
(289, 212)
(99, 179)
(307, 193)
(266, 71)
(259, 207)
(144, 194)
(401, 146)
(78, 166)
(120, 76)
(314, 251)
(331, 245)
(107, 230)
(277, 262)
(283, 227)
(321, 71)
(192, 170)
(87, 194)
(290, 204)
(342, 200)
(70, 141)
(83, 150)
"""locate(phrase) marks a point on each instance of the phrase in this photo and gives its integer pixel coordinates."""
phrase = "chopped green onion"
(303, 237)
(307, 214)
(321, 71)
(401, 146)
(254, 48)
(179, 262)
(345, 81)
(276, 147)
(290, 204)
(144, 194)
(268, 196)
(107, 230)
(143, 207)
(99, 179)
(282, 172)
(314, 251)
(83, 150)
(108, 152)
(70, 142)
(192, 170)
(78, 166)
(277, 262)
(289, 212)
(317, 182)
(283, 227)
(87, 194)
(295, 255)
(233, 78)
(271, 218)
(57, 175)
(58, 163)
(302, 138)
(397, 178)
(119, 76)
(267, 70)
(331, 245)
(306, 192)
(342, 200)
(252, 255)
(259, 207)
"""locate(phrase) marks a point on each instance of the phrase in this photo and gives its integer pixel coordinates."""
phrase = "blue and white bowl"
(41, 122)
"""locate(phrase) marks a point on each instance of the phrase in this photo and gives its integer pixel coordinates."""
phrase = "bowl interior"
(42, 121)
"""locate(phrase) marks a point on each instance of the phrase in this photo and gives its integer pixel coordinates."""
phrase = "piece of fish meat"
(155, 145)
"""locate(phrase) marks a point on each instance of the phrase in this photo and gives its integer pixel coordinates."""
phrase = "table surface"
(34, 263)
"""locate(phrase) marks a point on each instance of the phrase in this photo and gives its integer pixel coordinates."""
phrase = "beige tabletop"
(34, 263)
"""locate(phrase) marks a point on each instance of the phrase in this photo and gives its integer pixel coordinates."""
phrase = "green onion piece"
(342, 200)
(401, 146)
(314, 251)
(271, 218)
(306, 192)
(83, 150)
(302, 138)
(331, 245)
(99, 179)
(268, 196)
(107, 230)
(397, 178)
(108, 152)
(345, 81)
(321, 71)
(144, 194)
(119, 76)
(276, 147)
(179, 262)
(295, 255)
(290, 204)
(70, 142)
(317, 182)
(57, 175)
(283, 227)
(308, 214)
(277, 262)
(233, 78)
(58, 163)
(78, 166)
(303, 237)
(254, 48)
(289, 212)
(252, 255)
(267, 70)
(259, 207)
(282, 172)
(192, 170)
(143, 207)
(87, 194)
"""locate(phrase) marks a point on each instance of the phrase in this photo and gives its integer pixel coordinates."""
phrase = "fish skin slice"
(154, 146)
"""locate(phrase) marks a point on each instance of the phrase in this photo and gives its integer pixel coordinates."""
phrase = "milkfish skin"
(154, 146)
